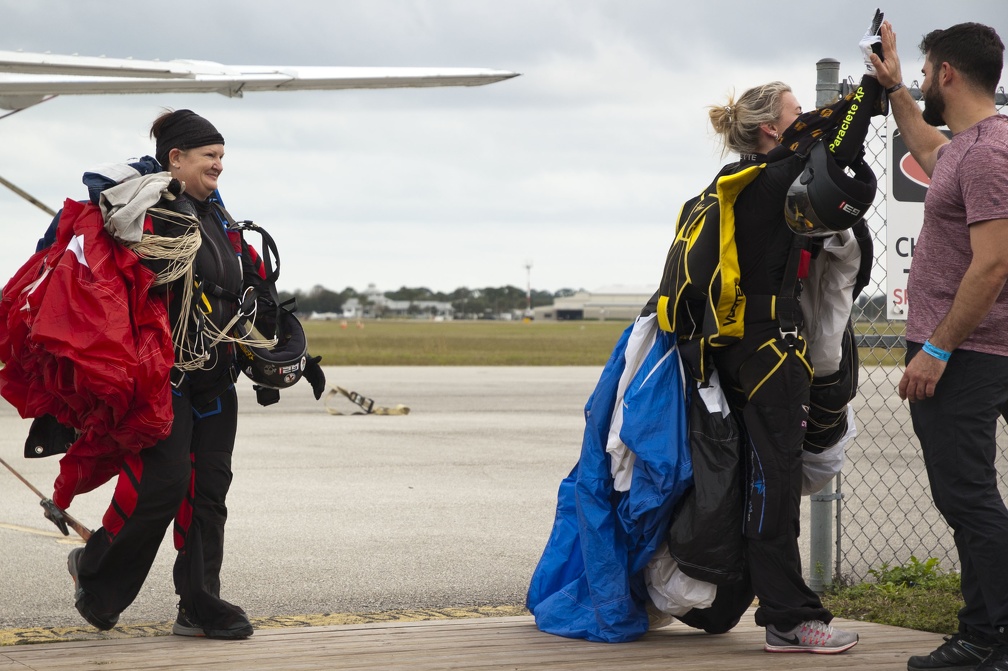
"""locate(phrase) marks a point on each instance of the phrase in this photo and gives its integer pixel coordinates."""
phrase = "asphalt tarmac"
(448, 506)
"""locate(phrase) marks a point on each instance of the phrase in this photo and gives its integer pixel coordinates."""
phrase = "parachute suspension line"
(244, 321)
(195, 355)
(179, 252)
(187, 358)
(250, 336)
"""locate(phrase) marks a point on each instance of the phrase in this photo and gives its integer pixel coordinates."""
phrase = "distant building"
(376, 305)
(442, 309)
(352, 308)
(325, 316)
(618, 302)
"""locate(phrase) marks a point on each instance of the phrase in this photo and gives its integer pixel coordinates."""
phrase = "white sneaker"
(811, 636)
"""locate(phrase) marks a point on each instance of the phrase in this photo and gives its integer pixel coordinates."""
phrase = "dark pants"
(199, 527)
(152, 491)
(767, 382)
(957, 430)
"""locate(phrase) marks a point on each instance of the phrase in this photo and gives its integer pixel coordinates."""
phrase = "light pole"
(528, 289)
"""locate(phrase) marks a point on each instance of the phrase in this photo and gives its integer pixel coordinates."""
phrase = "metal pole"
(27, 196)
(821, 521)
(827, 81)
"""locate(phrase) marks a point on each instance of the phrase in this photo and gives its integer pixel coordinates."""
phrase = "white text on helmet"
(849, 209)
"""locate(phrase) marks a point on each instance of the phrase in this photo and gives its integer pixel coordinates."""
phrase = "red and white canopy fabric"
(82, 339)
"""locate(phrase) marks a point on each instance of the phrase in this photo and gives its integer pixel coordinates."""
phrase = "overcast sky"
(578, 166)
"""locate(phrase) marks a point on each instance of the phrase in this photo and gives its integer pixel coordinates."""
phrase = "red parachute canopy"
(82, 339)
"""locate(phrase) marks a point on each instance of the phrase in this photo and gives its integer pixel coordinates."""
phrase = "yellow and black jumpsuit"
(765, 374)
(767, 379)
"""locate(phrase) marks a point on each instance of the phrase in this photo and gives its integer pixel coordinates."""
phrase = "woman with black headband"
(185, 476)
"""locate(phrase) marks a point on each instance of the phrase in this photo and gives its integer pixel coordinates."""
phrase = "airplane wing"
(28, 78)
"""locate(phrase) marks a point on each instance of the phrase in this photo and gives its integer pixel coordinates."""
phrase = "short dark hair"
(973, 49)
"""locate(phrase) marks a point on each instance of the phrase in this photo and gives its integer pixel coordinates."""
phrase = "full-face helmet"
(825, 199)
(282, 365)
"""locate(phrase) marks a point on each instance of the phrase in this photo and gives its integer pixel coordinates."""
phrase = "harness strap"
(262, 287)
(789, 311)
(246, 303)
(768, 308)
(270, 254)
(217, 291)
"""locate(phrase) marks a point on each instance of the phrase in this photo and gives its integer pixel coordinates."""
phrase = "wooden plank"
(486, 644)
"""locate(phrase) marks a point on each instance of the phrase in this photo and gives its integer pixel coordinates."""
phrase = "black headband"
(184, 129)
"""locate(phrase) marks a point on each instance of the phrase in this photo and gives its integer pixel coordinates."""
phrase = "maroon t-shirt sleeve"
(984, 178)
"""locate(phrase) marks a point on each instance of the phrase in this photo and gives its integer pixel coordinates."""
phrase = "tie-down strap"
(367, 405)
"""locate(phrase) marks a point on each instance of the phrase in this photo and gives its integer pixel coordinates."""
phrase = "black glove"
(266, 395)
(54, 514)
(313, 373)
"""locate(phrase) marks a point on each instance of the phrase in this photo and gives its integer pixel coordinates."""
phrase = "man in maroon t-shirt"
(956, 374)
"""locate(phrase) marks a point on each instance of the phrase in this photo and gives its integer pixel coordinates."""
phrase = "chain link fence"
(884, 511)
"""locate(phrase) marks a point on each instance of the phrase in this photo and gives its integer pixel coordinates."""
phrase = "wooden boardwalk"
(484, 644)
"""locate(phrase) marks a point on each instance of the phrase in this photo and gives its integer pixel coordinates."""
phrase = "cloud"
(580, 164)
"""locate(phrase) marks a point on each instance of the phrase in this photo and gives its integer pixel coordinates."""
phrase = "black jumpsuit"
(184, 477)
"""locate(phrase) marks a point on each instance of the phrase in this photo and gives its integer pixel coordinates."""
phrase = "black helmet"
(282, 365)
(824, 199)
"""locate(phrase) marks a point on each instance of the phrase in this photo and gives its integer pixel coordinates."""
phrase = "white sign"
(906, 186)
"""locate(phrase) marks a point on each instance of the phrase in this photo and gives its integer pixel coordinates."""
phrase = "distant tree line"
(318, 299)
(465, 301)
(491, 300)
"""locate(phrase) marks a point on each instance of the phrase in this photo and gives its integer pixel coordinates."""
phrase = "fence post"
(821, 513)
(827, 81)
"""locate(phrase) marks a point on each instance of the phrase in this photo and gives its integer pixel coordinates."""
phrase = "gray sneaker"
(100, 621)
(186, 627)
(811, 636)
(234, 626)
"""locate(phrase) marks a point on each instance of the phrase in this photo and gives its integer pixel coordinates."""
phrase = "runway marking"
(87, 633)
(39, 532)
